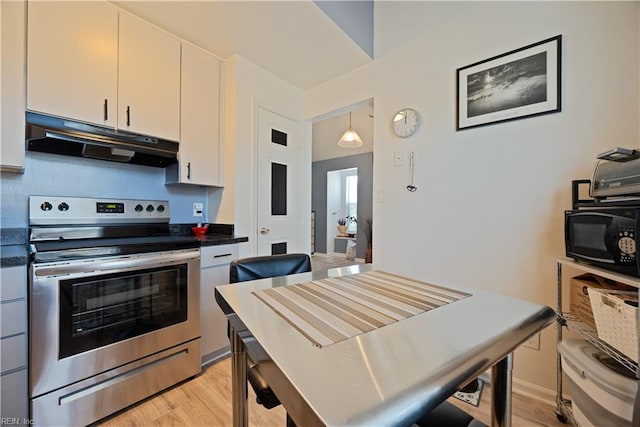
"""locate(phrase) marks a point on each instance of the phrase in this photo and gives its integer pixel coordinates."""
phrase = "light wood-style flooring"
(206, 401)
(325, 261)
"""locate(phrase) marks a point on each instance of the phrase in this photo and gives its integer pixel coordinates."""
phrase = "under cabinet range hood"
(50, 134)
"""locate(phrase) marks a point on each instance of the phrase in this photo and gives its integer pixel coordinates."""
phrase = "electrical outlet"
(533, 343)
(197, 209)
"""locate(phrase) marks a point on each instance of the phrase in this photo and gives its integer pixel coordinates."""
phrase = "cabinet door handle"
(106, 111)
(128, 116)
(221, 255)
(189, 170)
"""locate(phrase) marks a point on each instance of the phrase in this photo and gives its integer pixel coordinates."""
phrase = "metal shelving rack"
(564, 319)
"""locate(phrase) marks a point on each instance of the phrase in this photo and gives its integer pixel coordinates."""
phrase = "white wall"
(488, 211)
(248, 86)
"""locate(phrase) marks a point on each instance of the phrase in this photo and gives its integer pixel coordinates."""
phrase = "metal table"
(388, 376)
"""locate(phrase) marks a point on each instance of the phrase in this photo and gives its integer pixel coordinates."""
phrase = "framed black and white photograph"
(522, 83)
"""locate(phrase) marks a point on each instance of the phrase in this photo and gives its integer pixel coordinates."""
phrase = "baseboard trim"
(336, 254)
(533, 391)
(331, 254)
(526, 389)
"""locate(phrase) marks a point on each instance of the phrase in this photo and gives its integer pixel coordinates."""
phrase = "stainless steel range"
(114, 306)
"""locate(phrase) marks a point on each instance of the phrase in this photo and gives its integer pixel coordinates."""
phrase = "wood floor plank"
(206, 401)
(526, 412)
(169, 420)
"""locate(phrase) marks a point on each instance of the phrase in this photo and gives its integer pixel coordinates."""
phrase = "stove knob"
(46, 206)
(63, 207)
(138, 208)
(160, 208)
(150, 208)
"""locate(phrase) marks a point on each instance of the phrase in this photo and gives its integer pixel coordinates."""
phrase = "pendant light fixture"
(350, 139)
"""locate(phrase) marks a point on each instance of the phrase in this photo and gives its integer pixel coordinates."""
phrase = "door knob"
(264, 230)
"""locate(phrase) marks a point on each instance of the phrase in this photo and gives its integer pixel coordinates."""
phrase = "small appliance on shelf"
(617, 175)
(603, 230)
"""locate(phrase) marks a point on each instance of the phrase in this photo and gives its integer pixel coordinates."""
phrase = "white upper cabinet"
(87, 61)
(12, 82)
(200, 149)
(72, 60)
(148, 80)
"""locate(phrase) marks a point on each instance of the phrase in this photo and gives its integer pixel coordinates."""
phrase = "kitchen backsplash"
(54, 175)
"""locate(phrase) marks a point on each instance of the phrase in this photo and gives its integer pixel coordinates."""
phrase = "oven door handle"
(133, 262)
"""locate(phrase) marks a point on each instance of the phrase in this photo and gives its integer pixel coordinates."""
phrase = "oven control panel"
(53, 210)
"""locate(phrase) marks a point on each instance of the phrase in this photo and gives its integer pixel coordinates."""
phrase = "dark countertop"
(13, 255)
(14, 250)
(214, 240)
(13, 247)
(217, 234)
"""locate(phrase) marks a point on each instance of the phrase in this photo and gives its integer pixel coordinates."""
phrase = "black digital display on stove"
(102, 207)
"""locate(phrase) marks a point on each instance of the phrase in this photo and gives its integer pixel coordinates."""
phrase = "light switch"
(399, 158)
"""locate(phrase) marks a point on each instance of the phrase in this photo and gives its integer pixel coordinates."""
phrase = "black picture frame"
(525, 82)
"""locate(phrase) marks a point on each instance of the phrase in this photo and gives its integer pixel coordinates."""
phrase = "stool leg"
(238, 381)
(501, 375)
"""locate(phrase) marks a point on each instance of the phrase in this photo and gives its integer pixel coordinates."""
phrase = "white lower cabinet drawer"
(13, 315)
(13, 282)
(14, 402)
(210, 256)
(14, 352)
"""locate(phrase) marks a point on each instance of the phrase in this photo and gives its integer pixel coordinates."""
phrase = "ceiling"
(294, 40)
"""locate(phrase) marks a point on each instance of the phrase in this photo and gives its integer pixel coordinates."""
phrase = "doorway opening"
(342, 209)
(342, 185)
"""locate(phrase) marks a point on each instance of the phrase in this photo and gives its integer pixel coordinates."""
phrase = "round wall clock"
(406, 122)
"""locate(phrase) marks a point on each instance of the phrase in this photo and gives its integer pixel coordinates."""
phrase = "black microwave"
(606, 238)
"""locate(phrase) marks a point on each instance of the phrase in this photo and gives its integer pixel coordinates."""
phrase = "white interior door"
(277, 185)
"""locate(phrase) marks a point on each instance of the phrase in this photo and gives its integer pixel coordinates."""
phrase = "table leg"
(501, 374)
(238, 380)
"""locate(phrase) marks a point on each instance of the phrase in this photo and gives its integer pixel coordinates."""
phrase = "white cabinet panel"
(13, 348)
(148, 79)
(72, 60)
(13, 283)
(14, 401)
(13, 351)
(14, 317)
(200, 157)
(215, 262)
(12, 75)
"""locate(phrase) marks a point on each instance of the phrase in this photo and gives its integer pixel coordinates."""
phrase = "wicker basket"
(616, 321)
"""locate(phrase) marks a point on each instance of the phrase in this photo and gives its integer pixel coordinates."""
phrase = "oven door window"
(104, 309)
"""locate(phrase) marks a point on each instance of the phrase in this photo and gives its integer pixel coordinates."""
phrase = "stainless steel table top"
(391, 375)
